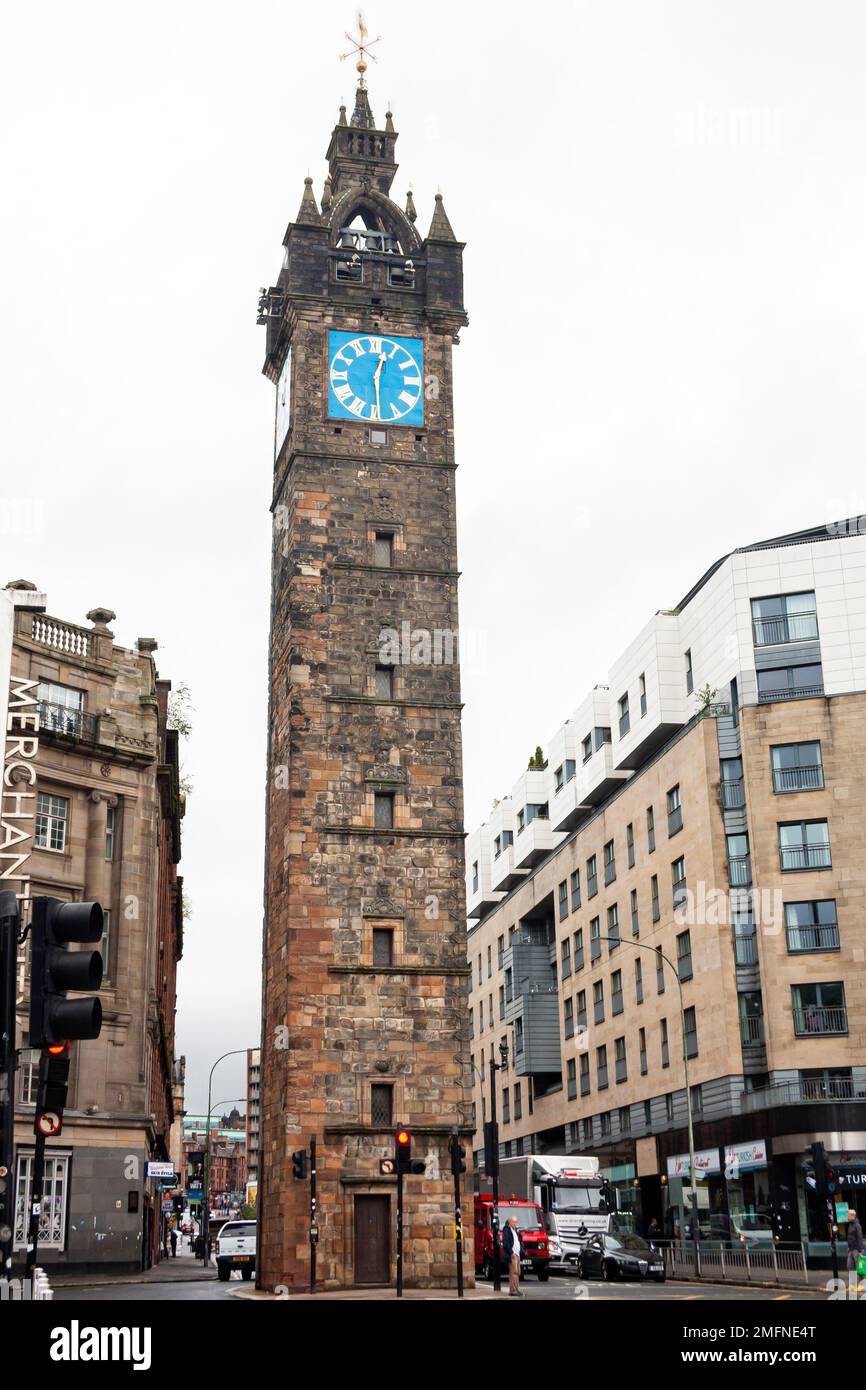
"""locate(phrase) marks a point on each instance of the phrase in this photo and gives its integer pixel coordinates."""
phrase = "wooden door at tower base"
(373, 1240)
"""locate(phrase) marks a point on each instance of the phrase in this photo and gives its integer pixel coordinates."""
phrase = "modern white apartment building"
(698, 823)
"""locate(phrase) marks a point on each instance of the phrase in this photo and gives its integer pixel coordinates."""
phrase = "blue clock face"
(375, 378)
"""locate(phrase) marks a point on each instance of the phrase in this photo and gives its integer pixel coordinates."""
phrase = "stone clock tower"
(364, 998)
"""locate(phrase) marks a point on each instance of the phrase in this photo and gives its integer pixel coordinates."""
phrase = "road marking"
(690, 1297)
(780, 1297)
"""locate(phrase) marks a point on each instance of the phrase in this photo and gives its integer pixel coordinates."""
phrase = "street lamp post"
(494, 1132)
(693, 1193)
(205, 1205)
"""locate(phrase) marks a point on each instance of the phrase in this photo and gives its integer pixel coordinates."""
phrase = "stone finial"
(21, 584)
(308, 214)
(389, 122)
(326, 194)
(411, 210)
(101, 617)
(342, 120)
(440, 227)
(146, 646)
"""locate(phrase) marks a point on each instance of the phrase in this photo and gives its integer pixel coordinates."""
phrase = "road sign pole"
(9, 924)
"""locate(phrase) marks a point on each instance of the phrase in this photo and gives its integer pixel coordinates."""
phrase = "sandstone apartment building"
(106, 826)
(698, 824)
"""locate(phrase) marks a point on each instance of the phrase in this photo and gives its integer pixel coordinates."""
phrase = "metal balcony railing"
(675, 820)
(733, 795)
(624, 725)
(816, 1019)
(829, 1091)
(752, 1031)
(799, 692)
(805, 856)
(740, 870)
(72, 723)
(798, 779)
(818, 938)
(746, 950)
(788, 627)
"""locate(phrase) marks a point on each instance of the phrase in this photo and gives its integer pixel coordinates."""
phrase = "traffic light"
(491, 1149)
(819, 1162)
(403, 1154)
(458, 1155)
(51, 1096)
(54, 970)
(299, 1164)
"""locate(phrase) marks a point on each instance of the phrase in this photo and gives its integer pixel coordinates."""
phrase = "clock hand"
(376, 376)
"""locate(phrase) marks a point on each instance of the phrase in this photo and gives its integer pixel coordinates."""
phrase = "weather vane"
(361, 47)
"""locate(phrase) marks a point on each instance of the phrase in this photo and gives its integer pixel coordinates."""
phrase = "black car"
(623, 1256)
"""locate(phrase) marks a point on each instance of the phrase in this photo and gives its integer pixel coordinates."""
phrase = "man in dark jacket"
(512, 1250)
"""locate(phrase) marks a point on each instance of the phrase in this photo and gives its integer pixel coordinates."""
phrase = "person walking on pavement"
(173, 1238)
(512, 1250)
(855, 1239)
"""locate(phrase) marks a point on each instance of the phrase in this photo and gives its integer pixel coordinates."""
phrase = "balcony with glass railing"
(733, 795)
(739, 870)
(805, 856)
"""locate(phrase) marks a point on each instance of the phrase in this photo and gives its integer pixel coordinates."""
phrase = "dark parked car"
(623, 1256)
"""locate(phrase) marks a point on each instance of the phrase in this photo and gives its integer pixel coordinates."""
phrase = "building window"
(629, 844)
(501, 1002)
(697, 1100)
(28, 1074)
(650, 829)
(587, 1131)
(620, 1062)
(609, 862)
(105, 941)
(638, 981)
(381, 1106)
(595, 939)
(598, 1001)
(804, 845)
(383, 549)
(581, 1011)
(490, 962)
(500, 951)
(819, 1009)
(591, 877)
(812, 926)
(384, 810)
(509, 990)
(578, 949)
(641, 1038)
(791, 682)
(506, 1106)
(563, 900)
(384, 682)
(733, 797)
(665, 1048)
(570, 769)
(612, 928)
(797, 767)
(616, 1005)
(110, 829)
(480, 976)
(827, 1083)
(784, 618)
(690, 1032)
(518, 1037)
(675, 811)
(641, 680)
(669, 1107)
(684, 956)
(569, 1018)
(585, 1084)
(571, 1072)
(690, 678)
(739, 862)
(678, 880)
(625, 1119)
(575, 890)
(383, 946)
(566, 959)
(61, 709)
(586, 748)
(622, 711)
(604, 1121)
(52, 819)
(52, 1217)
(635, 918)
(654, 896)
(601, 1067)
(475, 877)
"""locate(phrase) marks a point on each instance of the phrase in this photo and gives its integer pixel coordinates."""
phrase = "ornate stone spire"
(362, 116)
(411, 211)
(308, 213)
(326, 195)
(440, 227)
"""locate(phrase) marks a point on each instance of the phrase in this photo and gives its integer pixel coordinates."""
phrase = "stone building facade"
(364, 1021)
(106, 827)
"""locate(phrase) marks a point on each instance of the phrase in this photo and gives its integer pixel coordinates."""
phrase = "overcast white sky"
(665, 212)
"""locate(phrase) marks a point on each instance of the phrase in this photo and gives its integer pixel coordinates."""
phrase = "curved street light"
(205, 1205)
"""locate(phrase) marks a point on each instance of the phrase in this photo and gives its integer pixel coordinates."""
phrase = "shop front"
(735, 1200)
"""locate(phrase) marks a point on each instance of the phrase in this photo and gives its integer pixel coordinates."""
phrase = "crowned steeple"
(360, 155)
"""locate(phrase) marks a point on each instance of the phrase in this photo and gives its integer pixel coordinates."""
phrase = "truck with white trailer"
(576, 1200)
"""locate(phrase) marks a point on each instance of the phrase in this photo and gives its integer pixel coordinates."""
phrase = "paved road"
(557, 1290)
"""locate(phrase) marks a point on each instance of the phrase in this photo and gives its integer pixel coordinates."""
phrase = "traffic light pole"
(9, 923)
(458, 1234)
(314, 1224)
(38, 1177)
(399, 1234)
(494, 1215)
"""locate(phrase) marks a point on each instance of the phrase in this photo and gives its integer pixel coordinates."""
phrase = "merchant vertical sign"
(17, 809)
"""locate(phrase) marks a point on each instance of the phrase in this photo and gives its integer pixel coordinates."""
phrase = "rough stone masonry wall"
(331, 874)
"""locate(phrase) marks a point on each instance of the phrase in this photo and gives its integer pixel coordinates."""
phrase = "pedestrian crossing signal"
(299, 1164)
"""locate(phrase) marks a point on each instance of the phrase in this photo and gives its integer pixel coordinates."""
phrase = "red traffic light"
(57, 1049)
(403, 1136)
